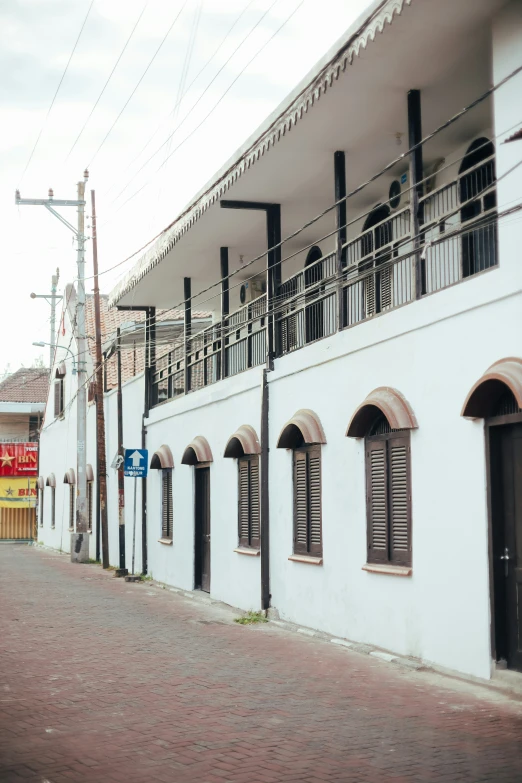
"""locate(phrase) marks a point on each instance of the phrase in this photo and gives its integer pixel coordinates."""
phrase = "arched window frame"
(51, 482)
(244, 446)
(59, 390)
(163, 460)
(70, 479)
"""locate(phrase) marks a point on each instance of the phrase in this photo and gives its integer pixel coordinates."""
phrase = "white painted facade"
(432, 351)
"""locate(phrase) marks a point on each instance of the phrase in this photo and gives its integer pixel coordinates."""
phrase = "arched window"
(384, 420)
(162, 460)
(314, 311)
(51, 482)
(478, 197)
(375, 251)
(304, 435)
(498, 392)
(244, 446)
(59, 384)
(41, 486)
(70, 479)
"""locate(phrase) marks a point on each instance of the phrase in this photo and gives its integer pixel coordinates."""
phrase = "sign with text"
(18, 492)
(136, 463)
(18, 459)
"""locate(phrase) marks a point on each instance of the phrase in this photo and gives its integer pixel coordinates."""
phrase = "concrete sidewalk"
(103, 681)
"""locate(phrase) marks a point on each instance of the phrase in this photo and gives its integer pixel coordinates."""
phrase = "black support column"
(188, 329)
(340, 224)
(416, 176)
(225, 307)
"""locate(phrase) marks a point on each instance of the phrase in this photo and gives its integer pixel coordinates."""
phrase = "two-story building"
(343, 444)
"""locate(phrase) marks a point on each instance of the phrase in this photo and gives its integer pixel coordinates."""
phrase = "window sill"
(392, 570)
(241, 550)
(310, 560)
(166, 541)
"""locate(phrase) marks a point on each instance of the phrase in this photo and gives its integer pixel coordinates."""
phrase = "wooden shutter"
(89, 505)
(386, 288)
(399, 500)
(255, 520)
(166, 504)
(369, 295)
(377, 501)
(300, 503)
(41, 507)
(58, 397)
(314, 499)
(243, 501)
(71, 506)
(53, 506)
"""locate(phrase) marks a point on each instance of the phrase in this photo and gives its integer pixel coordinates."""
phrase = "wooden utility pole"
(100, 416)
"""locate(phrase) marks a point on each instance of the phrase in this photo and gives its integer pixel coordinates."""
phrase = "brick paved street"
(105, 681)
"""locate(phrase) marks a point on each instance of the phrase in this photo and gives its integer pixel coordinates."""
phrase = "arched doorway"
(199, 455)
(497, 397)
(314, 310)
(375, 251)
(478, 197)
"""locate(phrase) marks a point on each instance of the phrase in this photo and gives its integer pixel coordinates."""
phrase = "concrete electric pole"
(53, 300)
(80, 538)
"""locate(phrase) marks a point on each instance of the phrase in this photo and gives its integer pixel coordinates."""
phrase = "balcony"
(393, 261)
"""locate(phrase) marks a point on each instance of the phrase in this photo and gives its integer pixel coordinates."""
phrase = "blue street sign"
(136, 463)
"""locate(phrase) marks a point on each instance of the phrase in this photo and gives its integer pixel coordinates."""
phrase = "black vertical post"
(273, 230)
(340, 224)
(122, 571)
(416, 176)
(225, 307)
(188, 329)
(265, 499)
(146, 405)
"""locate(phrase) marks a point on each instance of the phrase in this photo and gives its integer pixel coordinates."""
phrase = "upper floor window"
(478, 196)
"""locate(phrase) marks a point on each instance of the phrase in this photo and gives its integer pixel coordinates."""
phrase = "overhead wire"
(167, 140)
(138, 82)
(196, 77)
(107, 81)
(56, 92)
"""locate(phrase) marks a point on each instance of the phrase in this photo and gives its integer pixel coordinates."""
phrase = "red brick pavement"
(105, 682)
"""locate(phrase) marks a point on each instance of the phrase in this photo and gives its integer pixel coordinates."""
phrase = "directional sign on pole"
(136, 463)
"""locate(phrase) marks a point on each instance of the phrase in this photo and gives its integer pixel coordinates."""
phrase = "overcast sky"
(36, 41)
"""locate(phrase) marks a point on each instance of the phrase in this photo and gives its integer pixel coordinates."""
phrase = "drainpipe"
(265, 499)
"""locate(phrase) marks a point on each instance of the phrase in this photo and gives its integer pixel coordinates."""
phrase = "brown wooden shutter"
(314, 491)
(166, 503)
(300, 503)
(71, 506)
(41, 507)
(399, 500)
(243, 501)
(58, 397)
(386, 288)
(53, 506)
(377, 501)
(89, 505)
(255, 521)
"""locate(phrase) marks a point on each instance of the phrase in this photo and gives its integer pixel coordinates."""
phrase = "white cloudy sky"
(36, 40)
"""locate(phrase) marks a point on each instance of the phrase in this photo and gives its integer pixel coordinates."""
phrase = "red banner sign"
(18, 459)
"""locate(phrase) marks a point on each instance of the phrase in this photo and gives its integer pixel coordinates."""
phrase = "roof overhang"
(391, 403)
(197, 451)
(304, 427)
(243, 441)
(22, 407)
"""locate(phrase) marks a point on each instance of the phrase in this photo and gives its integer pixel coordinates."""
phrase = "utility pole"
(121, 571)
(80, 538)
(100, 413)
(53, 301)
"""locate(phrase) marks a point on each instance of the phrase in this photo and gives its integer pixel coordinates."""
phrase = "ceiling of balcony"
(442, 48)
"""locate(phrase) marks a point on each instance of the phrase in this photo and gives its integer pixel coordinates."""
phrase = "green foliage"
(250, 618)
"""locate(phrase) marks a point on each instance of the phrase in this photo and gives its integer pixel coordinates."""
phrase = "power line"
(56, 93)
(196, 77)
(108, 80)
(139, 82)
(167, 140)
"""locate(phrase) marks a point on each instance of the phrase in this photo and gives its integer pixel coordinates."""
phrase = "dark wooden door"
(506, 471)
(202, 520)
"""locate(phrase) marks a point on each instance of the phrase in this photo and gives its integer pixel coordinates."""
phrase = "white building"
(341, 444)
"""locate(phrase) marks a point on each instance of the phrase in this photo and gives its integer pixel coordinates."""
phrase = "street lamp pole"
(53, 301)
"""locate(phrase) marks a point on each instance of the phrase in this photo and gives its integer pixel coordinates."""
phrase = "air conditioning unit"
(399, 195)
(252, 289)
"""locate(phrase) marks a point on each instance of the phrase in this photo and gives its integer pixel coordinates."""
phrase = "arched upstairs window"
(244, 446)
(384, 420)
(478, 196)
(304, 435)
(162, 460)
(314, 311)
(70, 479)
(376, 249)
(498, 393)
(59, 384)
(51, 482)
